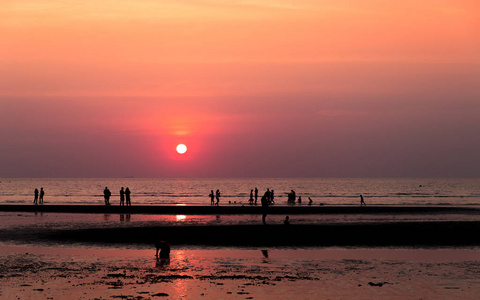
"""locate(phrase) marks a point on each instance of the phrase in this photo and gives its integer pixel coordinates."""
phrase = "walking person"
(251, 197)
(35, 200)
(106, 195)
(127, 196)
(42, 193)
(362, 203)
(256, 195)
(217, 195)
(122, 197)
(264, 207)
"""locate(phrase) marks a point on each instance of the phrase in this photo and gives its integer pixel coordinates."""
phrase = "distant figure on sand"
(286, 222)
(42, 193)
(122, 197)
(35, 200)
(217, 195)
(164, 248)
(256, 195)
(299, 199)
(264, 208)
(310, 201)
(251, 197)
(212, 197)
(106, 195)
(292, 197)
(362, 203)
(127, 197)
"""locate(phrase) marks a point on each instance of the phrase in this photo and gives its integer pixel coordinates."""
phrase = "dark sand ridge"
(237, 209)
(429, 234)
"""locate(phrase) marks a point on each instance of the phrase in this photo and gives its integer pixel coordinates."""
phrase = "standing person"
(310, 201)
(272, 196)
(106, 195)
(264, 207)
(122, 197)
(251, 197)
(127, 196)
(362, 203)
(217, 195)
(212, 197)
(42, 193)
(299, 199)
(35, 200)
(256, 195)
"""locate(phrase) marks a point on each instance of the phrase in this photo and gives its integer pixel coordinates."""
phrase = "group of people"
(38, 196)
(214, 196)
(124, 196)
(269, 196)
(292, 198)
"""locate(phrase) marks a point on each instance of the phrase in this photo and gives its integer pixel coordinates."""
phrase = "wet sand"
(239, 209)
(425, 234)
(59, 273)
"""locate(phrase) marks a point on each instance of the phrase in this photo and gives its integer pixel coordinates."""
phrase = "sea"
(175, 191)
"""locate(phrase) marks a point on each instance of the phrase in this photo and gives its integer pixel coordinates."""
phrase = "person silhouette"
(287, 222)
(310, 201)
(164, 248)
(272, 196)
(212, 197)
(299, 199)
(264, 201)
(217, 195)
(42, 193)
(35, 200)
(362, 202)
(122, 197)
(127, 196)
(256, 195)
(106, 195)
(251, 197)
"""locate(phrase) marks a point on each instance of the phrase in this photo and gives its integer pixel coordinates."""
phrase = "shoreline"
(235, 209)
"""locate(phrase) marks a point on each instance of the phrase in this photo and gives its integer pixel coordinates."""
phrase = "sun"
(181, 148)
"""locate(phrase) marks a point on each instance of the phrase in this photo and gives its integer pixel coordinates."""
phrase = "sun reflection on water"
(180, 218)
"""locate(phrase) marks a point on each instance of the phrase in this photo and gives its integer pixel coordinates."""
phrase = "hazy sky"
(292, 88)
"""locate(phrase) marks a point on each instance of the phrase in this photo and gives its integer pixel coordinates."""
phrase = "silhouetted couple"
(125, 196)
(38, 200)
(106, 195)
(214, 196)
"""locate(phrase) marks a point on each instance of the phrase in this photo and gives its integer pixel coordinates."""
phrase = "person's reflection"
(106, 217)
(122, 217)
(127, 218)
(162, 262)
(265, 256)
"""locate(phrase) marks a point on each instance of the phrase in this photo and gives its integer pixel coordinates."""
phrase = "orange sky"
(254, 88)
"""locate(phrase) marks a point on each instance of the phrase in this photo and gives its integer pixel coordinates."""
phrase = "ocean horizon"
(195, 191)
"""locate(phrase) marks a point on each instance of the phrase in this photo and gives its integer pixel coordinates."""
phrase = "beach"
(226, 273)
(332, 252)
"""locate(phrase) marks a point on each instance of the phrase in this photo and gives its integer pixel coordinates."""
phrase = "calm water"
(408, 191)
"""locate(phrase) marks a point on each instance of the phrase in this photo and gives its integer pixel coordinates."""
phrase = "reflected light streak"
(180, 218)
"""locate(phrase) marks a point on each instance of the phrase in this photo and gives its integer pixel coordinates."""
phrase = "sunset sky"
(292, 88)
